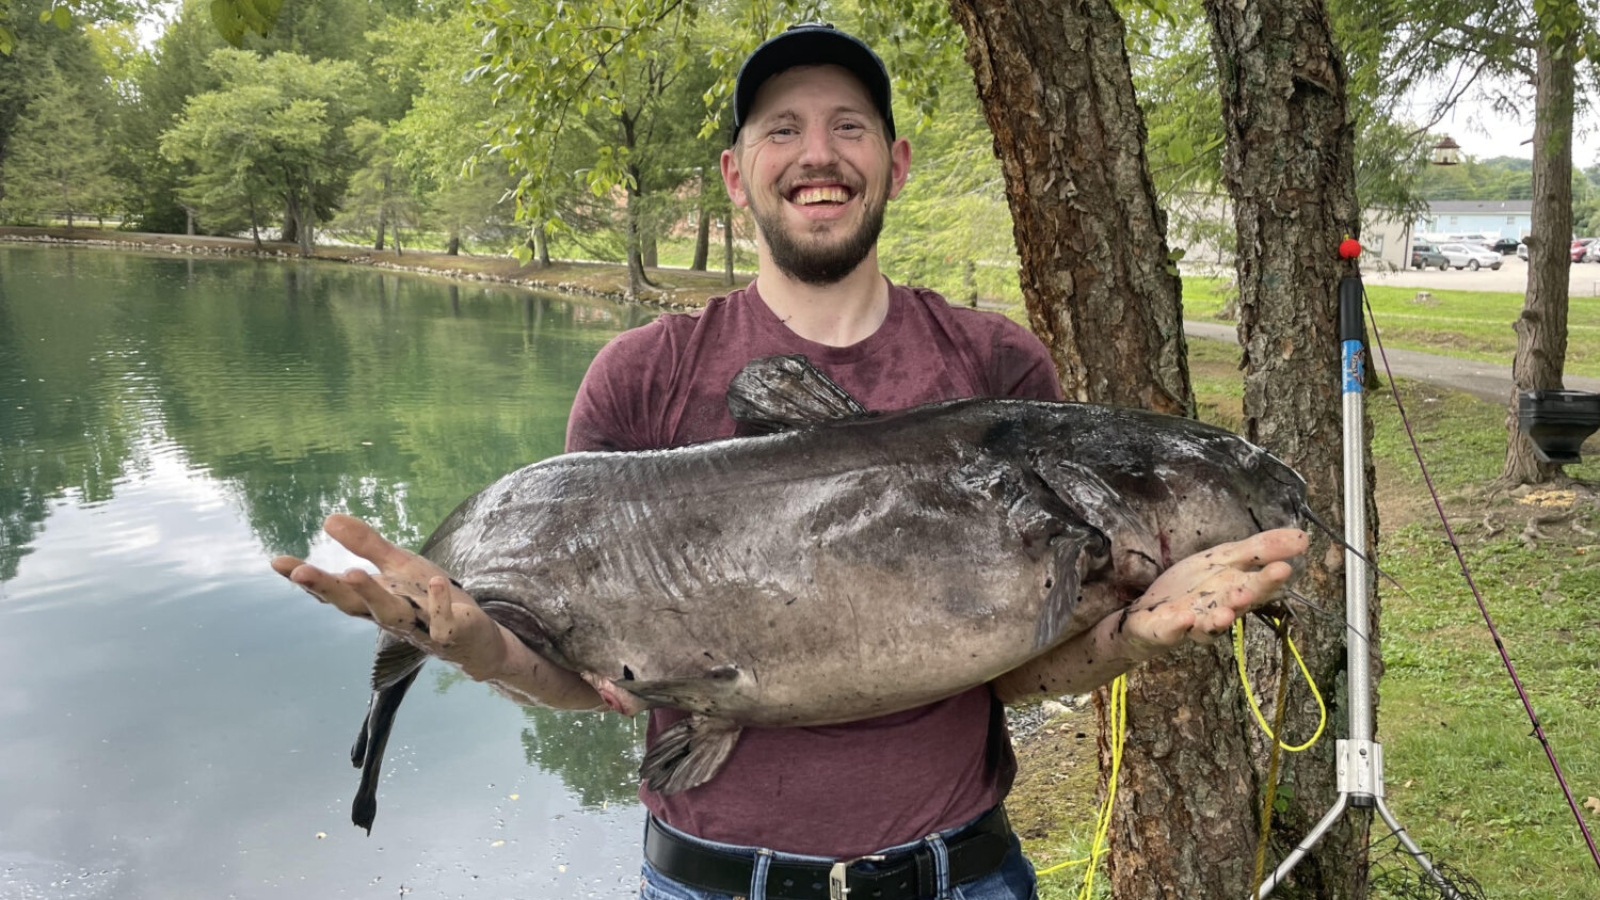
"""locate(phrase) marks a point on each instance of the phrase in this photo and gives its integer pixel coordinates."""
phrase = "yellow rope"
(1322, 708)
(1273, 757)
(1117, 716)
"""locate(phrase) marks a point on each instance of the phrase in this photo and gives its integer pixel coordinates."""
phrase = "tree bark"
(1542, 327)
(541, 246)
(1289, 167)
(702, 238)
(383, 209)
(727, 249)
(1100, 290)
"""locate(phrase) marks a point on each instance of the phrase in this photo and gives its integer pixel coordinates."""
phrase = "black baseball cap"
(811, 44)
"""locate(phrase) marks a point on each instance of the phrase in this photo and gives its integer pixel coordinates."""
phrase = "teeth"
(809, 195)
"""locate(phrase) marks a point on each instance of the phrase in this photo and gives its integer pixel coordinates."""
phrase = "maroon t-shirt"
(840, 790)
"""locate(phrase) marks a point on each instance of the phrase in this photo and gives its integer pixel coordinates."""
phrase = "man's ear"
(899, 165)
(733, 179)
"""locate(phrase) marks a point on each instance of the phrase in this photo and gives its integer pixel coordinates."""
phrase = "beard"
(809, 259)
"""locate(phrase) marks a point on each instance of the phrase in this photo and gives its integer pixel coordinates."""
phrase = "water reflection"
(175, 721)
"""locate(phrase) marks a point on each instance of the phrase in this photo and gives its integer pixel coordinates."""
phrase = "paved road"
(1486, 380)
(1583, 281)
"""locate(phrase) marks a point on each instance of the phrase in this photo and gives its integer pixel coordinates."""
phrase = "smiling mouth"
(820, 195)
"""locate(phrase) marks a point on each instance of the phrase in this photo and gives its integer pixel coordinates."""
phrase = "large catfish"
(847, 565)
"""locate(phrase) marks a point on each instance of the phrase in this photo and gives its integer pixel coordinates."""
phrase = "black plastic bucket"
(1558, 422)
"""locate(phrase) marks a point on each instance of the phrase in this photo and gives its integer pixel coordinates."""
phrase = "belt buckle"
(839, 876)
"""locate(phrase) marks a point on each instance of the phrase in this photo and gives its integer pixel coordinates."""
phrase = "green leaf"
(62, 17)
(1180, 151)
(8, 41)
(225, 16)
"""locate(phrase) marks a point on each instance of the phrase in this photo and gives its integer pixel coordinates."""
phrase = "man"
(902, 806)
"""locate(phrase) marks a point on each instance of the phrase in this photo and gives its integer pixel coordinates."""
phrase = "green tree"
(1546, 44)
(380, 196)
(165, 77)
(58, 159)
(600, 74)
(445, 129)
(273, 134)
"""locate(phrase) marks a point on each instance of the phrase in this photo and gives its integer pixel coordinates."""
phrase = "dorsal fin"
(778, 392)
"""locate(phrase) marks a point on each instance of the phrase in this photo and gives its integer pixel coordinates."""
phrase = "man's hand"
(1201, 596)
(1195, 600)
(415, 600)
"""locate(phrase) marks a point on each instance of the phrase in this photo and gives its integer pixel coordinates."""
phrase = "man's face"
(815, 167)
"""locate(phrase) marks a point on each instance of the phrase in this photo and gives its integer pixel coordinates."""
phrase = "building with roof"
(1506, 218)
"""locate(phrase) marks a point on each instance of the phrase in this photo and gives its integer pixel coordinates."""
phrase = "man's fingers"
(361, 539)
(1279, 544)
(285, 565)
(441, 616)
(388, 610)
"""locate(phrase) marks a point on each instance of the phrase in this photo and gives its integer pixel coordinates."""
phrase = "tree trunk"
(454, 247)
(702, 233)
(636, 277)
(1542, 327)
(727, 248)
(1058, 94)
(255, 226)
(649, 251)
(188, 224)
(383, 209)
(291, 227)
(541, 246)
(1289, 168)
(300, 215)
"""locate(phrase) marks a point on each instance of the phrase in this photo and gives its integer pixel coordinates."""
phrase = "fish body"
(847, 565)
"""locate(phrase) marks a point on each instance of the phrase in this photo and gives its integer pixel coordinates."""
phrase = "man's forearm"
(527, 678)
(1080, 665)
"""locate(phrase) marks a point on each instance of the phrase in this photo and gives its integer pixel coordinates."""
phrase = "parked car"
(1522, 252)
(1427, 256)
(1464, 256)
(1505, 245)
(1580, 247)
(1591, 253)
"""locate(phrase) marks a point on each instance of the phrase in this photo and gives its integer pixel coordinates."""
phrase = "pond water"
(176, 720)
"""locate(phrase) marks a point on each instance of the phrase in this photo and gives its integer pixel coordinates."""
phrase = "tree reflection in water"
(596, 755)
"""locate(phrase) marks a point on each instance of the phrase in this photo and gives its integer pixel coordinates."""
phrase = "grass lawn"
(1462, 772)
(1466, 324)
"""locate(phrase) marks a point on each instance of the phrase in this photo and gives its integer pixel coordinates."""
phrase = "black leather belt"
(975, 851)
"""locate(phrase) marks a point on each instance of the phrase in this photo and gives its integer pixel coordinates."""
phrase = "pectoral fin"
(394, 668)
(689, 753)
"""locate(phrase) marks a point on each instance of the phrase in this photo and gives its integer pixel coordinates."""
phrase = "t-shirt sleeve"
(1021, 367)
(611, 410)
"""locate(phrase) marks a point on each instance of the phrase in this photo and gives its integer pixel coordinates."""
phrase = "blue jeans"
(1012, 881)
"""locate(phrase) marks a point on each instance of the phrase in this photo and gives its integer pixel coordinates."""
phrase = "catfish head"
(1163, 487)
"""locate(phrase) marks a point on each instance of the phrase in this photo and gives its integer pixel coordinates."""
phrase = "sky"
(1484, 133)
